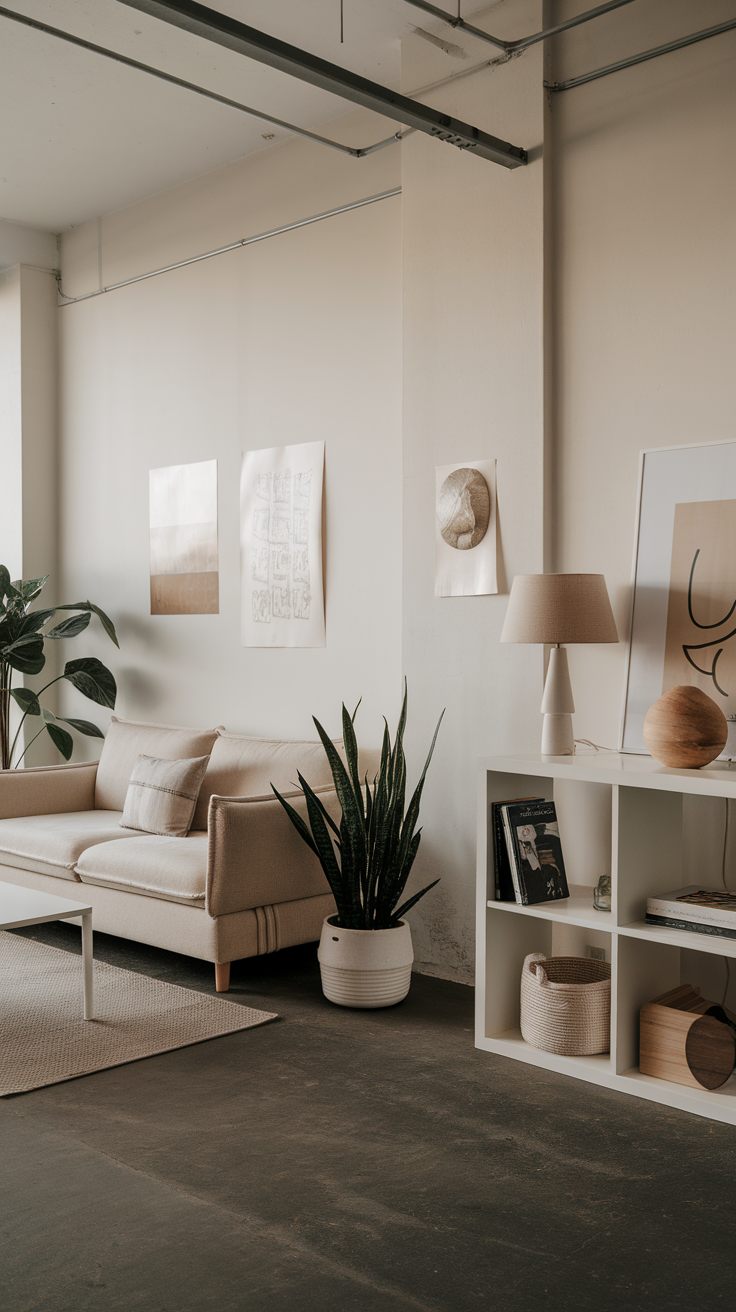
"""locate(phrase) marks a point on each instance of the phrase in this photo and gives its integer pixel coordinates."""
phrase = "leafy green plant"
(367, 858)
(22, 650)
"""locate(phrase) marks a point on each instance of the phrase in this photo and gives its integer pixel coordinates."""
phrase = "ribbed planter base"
(365, 967)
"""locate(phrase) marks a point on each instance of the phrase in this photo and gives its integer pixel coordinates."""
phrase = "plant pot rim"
(331, 921)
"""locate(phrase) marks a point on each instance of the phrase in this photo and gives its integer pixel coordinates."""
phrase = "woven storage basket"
(566, 1004)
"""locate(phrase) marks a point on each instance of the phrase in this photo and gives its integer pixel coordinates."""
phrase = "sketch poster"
(282, 599)
(465, 529)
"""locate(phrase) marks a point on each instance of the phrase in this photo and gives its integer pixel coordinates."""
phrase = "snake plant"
(368, 857)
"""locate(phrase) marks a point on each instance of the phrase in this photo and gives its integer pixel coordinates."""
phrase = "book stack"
(527, 853)
(699, 910)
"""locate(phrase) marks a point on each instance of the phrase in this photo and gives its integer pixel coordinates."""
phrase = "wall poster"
(183, 525)
(282, 598)
(683, 624)
(465, 529)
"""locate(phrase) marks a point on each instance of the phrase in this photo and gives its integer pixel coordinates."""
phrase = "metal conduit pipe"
(221, 250)
(356, 152)
(513, 47)
(640, 59)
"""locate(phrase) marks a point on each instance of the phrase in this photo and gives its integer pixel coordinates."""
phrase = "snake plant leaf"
(86, 727)
(25, 654)
(71, 627)
(61, 739)
(104, 619)
(90, 677)
(351, 749)
(297, 821)
(27, 700)
(304, 785)
(407, 906)
(341, 778)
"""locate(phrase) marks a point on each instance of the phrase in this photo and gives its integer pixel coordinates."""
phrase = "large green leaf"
(28, 589)
(27, 700)
(35, 620)
(4, 582)
(25, 654)
(86, 727)
(90, 677)
(71, 627)
(104, 619)
(61, 739)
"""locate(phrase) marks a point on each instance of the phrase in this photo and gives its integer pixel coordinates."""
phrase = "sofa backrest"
(246, 767)
(127, 739)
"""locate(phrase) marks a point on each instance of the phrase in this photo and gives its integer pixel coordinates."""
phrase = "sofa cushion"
(173, 869)
(162, 795)
(126, 740)
(52, 844)
(246, 767)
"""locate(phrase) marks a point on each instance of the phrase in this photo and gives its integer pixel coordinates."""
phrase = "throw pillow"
(162, 795)
(126, 740)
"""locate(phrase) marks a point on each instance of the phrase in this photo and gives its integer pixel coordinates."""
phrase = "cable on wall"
(221, 250)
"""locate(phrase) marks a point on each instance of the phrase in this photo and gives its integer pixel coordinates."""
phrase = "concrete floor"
(339, 1161)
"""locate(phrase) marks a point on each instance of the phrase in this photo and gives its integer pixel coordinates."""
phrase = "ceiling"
(83, 136)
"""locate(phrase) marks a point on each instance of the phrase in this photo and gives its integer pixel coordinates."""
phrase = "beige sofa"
(241, 883)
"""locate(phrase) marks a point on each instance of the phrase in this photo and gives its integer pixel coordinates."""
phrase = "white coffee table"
(25, 906)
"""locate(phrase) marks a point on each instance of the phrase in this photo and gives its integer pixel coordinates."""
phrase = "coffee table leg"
(88, 966)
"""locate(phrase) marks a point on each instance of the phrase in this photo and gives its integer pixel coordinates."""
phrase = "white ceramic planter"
(365, 967)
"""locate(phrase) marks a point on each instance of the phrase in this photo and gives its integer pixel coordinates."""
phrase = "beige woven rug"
(44, 1040)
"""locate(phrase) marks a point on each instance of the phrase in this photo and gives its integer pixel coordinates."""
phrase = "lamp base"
(557, 735)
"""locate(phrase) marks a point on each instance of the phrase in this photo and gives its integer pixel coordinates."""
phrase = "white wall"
(291, 340)
(473, 389)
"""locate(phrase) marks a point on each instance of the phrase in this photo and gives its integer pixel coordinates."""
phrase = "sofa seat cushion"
(246, 767)
(52, 844)
(172, 869)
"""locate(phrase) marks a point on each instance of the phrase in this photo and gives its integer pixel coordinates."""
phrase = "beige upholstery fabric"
(256, 857)
(187, 929)
(126, 740)
(44, 790)
(246, 767)
(162, 795)
(173, 869)
(56, 842)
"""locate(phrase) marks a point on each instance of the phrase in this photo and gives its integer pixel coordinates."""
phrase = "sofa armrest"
(256, 857)
(48, 789)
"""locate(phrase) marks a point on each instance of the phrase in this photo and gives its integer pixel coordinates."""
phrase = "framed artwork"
(183, 527)
(282, 597)
(683, 620)
(465, 529)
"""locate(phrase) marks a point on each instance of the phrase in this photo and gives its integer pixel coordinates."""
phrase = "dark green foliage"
(22, 650)
(368, 857)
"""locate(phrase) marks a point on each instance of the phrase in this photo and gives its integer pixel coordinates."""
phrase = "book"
(692, 926)
(535, 852)
(704, 906)
(503, 887)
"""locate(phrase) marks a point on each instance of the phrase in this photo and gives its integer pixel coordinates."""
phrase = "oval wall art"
(465, 529)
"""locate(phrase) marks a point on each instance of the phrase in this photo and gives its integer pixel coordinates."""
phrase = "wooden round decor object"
(685, 728)
(710, 1052)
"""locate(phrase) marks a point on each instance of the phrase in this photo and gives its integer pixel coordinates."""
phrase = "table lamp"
(557, 608)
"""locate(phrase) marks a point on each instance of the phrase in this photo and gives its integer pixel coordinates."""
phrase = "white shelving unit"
(622, 814)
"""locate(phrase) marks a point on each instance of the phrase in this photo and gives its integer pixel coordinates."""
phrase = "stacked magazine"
(527, 853)
(701, 910)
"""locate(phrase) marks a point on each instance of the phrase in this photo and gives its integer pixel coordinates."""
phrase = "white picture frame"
(669, 477)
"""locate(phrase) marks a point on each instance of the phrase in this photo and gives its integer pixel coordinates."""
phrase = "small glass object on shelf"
(602, 894)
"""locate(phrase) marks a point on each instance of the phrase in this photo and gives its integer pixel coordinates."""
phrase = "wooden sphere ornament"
(685, 728)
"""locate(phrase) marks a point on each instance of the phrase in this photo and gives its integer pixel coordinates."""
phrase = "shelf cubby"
(626, 815)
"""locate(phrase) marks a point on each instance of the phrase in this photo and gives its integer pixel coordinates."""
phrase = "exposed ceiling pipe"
(513, 47)
(265, 49)
(640, 59)
(356, 152)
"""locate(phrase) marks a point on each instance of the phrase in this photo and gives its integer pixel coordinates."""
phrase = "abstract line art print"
(683, 628)
(282, 600)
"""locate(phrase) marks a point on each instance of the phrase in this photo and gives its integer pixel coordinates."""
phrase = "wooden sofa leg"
(222, 976)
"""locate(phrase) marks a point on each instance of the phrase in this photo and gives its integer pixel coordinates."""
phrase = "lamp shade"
(559, 608)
